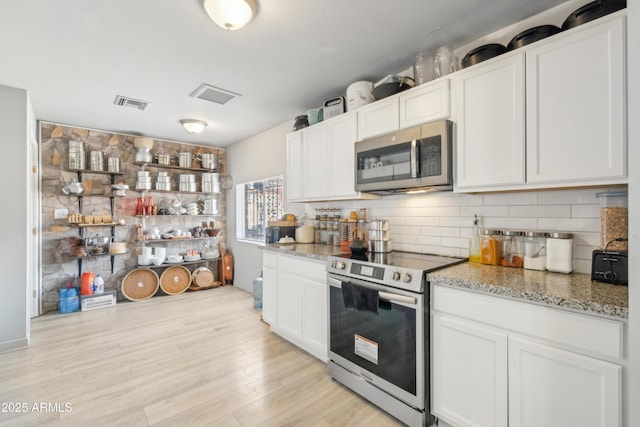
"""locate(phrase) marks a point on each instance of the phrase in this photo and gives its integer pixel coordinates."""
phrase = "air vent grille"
(214, 94)
(124, 101)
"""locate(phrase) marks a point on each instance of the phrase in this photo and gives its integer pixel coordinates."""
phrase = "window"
(257, 203)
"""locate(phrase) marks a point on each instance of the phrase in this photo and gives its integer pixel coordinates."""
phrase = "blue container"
(257, 292)
(69, 300)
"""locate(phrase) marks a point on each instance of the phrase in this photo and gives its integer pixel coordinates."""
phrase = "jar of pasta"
(490, 247)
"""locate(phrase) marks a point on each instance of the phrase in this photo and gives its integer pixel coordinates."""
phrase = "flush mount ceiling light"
(230, 14)
(193, 126)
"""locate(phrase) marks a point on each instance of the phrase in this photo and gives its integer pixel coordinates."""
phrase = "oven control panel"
(398, 277)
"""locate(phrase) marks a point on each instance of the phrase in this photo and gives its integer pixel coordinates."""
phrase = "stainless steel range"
(379, 329)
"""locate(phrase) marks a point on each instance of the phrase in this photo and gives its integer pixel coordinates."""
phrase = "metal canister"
(96, 160)
(76, 155)
(185, 159)
(113, 164)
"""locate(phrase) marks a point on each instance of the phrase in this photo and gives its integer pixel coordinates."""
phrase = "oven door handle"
(386, 296)
(414, 158)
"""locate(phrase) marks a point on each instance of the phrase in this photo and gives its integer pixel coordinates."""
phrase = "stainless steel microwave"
(417, 159)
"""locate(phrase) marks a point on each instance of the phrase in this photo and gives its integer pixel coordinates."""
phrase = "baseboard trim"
(14, 344)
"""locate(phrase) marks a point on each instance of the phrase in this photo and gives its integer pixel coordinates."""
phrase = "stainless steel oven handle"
(414, 158)
(396, 298)
(385, 296)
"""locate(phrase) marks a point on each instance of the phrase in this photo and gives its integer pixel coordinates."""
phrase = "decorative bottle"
(474, 241)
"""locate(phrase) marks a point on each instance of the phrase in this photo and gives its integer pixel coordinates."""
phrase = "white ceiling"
(75, 56)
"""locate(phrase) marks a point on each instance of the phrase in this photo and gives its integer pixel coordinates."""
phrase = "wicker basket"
(175, 280)
(140, 284)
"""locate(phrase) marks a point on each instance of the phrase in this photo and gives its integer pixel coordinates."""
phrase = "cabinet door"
(315, 184)
(314, 318)
(555, 388)
(343, 135)
(490, 129)
(575, 105)
(294, 167)
(379, 118)
(289, 307)
(469, 373)
(426, 103)
(269, 292)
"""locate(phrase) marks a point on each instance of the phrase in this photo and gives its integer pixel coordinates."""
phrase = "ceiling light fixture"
(230, 14)
(193, 126)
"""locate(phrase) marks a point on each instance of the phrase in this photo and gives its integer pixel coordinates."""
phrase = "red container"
(86, 283)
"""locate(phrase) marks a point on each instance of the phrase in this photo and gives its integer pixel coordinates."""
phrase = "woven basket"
(175, 280)
(140, 284)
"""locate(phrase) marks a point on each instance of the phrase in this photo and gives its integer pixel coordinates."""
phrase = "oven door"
(387, 348)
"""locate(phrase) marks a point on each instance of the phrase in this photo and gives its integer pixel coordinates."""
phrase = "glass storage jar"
(560, 252)
(535, 251)
(614, 217)
(490, 247)
(512, 249)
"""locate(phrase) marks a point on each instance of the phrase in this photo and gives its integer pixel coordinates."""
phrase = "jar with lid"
(490, 247)
(614, 217)
(512, 249)
(560, 252)
(535, 253)
(344, 230)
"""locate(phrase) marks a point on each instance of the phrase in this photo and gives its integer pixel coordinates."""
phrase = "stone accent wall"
(57, 267)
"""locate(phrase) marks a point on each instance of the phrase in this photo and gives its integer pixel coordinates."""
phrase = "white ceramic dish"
(192, 258)
(174, 259)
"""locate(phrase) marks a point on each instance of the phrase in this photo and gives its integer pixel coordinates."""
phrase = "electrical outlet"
(60, 213)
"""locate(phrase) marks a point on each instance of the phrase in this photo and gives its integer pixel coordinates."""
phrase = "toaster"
(610, 267)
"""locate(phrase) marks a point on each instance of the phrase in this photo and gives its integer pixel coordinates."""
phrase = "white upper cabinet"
(575, 105)
(378, 118)
(572, 102)
(490, 124)
(425, 103)
(321, 161)
(343, 134)
(294, 167)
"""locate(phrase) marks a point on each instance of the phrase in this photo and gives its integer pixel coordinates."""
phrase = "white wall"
(15, 118)
(258, 157)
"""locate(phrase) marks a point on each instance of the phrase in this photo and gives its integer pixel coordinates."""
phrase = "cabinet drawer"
(270, 259)
(578, 332)
(315, 270)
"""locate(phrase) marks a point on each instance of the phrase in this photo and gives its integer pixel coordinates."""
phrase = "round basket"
(202, 277)
(140, 284)
(175, 280)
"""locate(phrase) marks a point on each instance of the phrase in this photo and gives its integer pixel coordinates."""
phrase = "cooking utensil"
(482, 53)
(591, 11)
(379, 246)
(209, 161)
(383, 90)
(227, 264)
(358, 246)
(359, 94)
(532, 35)
(185, 160)
(73, 187)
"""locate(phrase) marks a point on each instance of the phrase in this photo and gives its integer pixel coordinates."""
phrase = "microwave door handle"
(414, 158)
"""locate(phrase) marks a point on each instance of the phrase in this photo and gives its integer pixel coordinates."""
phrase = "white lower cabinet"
(470, 373)
(497, 362)
(556, 388)
(298, 305)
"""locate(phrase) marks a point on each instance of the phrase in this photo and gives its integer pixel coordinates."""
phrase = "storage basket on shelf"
(175, 280)
(140, 284)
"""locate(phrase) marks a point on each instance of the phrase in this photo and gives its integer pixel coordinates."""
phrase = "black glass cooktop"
(409, 260)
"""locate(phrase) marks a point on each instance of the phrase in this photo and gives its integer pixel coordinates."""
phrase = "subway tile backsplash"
(440, 223)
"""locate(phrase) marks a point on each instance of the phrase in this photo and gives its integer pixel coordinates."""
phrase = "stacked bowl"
(210, 182)
(143, 181)
(379, 238)
(163, 181)
(187, 182)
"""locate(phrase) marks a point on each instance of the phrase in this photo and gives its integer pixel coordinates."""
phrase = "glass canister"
(560, 252)
(614, 217)
(535, 250)
(512, 249)
(490, 247)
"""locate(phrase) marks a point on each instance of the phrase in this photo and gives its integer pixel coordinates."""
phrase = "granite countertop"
(574, 291)
(306, 250)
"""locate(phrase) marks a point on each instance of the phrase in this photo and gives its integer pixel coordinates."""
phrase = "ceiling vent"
(214, 94)
(123, 101)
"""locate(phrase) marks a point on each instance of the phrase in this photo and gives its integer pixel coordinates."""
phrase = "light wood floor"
(195, 359)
